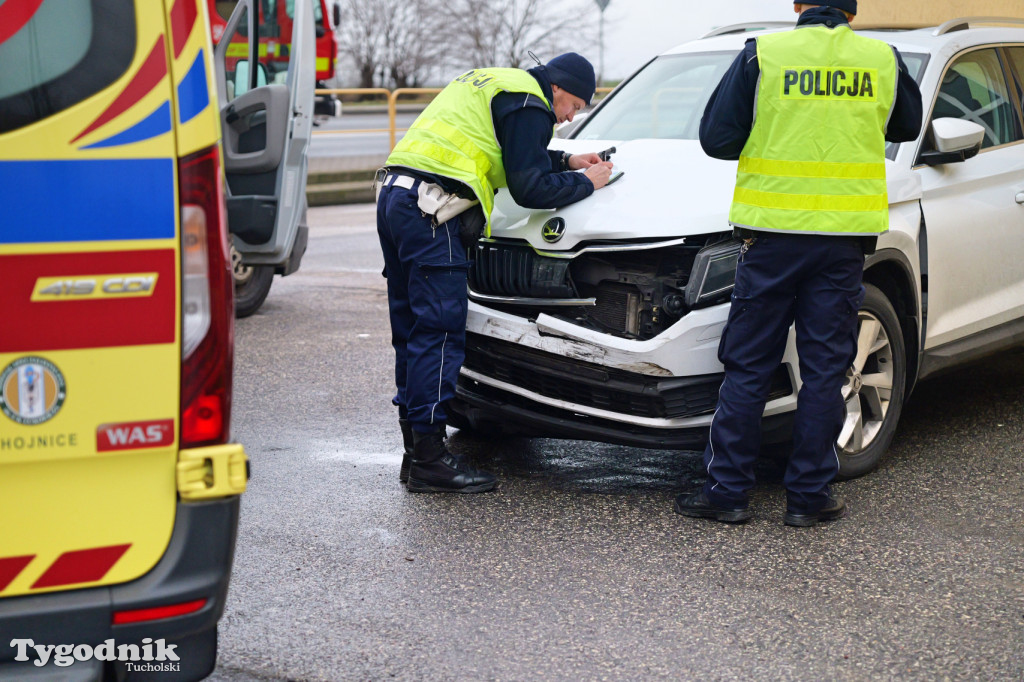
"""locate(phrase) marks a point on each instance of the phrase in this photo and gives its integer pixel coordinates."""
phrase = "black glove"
(471, 226)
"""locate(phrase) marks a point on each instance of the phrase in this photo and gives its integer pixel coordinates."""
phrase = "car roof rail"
(748, 26)
(964, 23)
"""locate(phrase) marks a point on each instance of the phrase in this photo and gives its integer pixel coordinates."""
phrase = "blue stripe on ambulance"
(193, 95)
(95, 200)
(157, 123)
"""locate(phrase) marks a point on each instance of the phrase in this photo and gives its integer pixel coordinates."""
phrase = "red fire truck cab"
(275, 28)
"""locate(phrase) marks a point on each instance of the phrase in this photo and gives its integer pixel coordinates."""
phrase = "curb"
(348, 187)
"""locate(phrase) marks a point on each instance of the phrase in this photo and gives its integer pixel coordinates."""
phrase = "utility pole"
(600, 40)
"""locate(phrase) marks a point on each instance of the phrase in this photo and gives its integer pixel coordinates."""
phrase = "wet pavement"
(577, 567)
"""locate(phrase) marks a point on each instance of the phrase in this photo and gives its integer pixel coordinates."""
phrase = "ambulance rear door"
(90, 257)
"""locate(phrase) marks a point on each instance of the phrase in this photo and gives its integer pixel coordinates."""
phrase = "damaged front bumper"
(549, 377)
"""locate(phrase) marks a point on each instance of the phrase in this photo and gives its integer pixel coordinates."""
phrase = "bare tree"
(411, 33)
(400, 43)
(361, 39)
(502, 32)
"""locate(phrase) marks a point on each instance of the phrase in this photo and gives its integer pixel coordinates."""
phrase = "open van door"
(266, 108)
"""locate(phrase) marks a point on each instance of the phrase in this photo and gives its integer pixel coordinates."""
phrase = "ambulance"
(126, 142)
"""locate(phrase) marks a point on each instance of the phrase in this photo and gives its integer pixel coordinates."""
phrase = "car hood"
(670, 189)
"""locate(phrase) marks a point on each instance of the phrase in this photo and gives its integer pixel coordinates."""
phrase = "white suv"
(601, 320)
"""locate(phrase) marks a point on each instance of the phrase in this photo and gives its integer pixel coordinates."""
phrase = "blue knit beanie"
(574, 74)
(845, 5)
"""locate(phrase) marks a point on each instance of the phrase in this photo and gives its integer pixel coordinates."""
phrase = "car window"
(1016, 55)
(664, 100)
(915, 62)
(974, 89)
(59, 54)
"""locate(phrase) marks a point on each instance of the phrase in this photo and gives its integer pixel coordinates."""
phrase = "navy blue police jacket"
(523, 126)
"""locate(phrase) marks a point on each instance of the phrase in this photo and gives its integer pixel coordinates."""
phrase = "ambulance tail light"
(207, 302)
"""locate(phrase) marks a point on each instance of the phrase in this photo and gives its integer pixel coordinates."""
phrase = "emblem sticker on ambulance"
(32, 390)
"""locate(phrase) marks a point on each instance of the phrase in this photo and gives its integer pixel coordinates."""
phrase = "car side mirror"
(955, 141)
(336, 10)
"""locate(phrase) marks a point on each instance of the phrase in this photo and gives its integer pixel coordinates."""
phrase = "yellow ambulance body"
(119, 487)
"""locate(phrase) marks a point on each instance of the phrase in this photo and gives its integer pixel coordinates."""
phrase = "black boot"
(435, 470)
(834, 509)
(403, 475)
(698, 505)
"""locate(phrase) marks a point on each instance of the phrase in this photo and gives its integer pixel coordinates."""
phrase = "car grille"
(503, 270)
(614, 288)
(591, 385)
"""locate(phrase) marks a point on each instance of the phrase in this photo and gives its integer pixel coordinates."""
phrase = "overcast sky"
(636, 30)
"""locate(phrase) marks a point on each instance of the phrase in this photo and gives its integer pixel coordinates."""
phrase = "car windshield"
(666, 99)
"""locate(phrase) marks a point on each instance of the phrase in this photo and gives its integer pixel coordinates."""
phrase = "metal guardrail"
(392, 102)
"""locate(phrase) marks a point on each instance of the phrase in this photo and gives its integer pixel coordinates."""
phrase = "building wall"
(931, 12)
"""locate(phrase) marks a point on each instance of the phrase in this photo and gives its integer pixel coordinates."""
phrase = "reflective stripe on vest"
(815, 158)
(454, 136)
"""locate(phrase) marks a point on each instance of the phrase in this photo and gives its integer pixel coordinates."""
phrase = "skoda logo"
(553, 230)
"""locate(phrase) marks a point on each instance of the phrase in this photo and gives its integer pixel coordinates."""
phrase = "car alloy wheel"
(868, 389)
(874, 387)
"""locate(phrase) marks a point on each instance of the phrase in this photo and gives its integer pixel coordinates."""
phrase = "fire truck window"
(318, 13)
(225, 8)
(236, 67)
(60, 55)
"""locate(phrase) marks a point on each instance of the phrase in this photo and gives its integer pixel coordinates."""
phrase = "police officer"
(807, 113)
(488, 129)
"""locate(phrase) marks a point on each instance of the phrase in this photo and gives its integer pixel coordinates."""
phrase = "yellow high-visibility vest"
(815, 159)
(454, 136)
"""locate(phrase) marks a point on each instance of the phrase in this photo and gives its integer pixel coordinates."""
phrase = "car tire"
(874, 389)
(252, 284)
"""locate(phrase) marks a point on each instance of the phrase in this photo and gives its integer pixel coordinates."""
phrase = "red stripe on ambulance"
(11, 566)
(86, 322)
(81, 566)
(134, 435)
(183, 17)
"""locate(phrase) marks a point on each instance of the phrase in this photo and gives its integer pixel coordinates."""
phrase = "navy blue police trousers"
(814, 281)
(426, 269)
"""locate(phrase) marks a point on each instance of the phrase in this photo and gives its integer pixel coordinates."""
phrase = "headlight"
(714, 273)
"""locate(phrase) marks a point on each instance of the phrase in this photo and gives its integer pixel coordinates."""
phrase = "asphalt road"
(577, 567)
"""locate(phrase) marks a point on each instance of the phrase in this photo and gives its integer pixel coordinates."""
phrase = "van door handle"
(1020, 197)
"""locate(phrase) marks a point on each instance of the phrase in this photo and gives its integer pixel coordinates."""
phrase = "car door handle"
(1020, 197)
